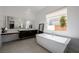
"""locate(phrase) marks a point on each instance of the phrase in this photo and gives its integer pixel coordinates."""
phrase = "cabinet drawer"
(6, 38)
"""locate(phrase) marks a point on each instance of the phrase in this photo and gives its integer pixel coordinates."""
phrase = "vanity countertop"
(14, 31)
(25, 29)
(10, 31)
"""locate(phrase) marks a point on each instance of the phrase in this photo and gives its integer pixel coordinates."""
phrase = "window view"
(57, 20)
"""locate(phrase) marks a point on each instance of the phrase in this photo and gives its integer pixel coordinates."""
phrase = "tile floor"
(22, 46)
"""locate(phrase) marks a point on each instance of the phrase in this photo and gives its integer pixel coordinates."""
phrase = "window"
(57, 21)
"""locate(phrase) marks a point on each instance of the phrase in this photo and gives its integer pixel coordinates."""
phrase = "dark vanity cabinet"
(27, 33)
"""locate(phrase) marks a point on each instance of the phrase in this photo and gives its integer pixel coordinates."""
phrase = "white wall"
(1, 23)
(73, 22)
(20, 14)
(1, 17)
(41, 16)
(73, 25)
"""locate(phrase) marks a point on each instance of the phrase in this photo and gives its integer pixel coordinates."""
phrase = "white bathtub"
(52, 42)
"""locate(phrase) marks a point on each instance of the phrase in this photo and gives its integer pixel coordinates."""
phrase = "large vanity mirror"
(10, 22)
(17, 23)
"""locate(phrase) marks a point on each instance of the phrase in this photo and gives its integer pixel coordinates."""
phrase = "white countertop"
(25, 29)
(15, 30)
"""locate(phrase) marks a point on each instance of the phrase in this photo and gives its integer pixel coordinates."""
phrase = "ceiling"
(25, 10)
(22, 8)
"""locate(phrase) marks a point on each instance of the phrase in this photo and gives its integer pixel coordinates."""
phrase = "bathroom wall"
(20, 14)
(72, 26)
(41, 16)
(1, 17)
(73, 18)
(1, 23)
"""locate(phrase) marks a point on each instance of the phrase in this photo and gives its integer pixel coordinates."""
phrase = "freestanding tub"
(53, 43)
